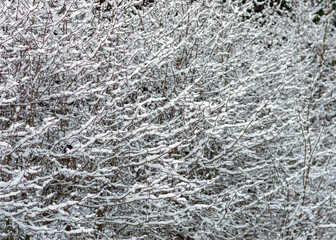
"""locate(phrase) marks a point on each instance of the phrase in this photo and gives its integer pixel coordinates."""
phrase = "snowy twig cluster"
(163, 119)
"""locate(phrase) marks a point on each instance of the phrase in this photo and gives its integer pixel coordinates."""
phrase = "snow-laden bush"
(167, 120)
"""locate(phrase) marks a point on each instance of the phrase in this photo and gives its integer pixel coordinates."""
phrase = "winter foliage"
(155, 119)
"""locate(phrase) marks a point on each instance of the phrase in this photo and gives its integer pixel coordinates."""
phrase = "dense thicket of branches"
(167, 119)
